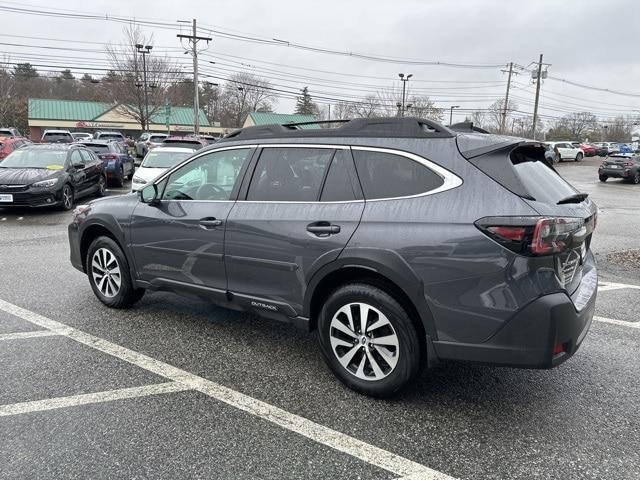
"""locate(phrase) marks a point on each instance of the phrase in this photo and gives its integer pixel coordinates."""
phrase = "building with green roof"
(268, 118)
(91, 116)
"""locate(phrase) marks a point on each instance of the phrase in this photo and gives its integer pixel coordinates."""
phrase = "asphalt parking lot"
(176, 388)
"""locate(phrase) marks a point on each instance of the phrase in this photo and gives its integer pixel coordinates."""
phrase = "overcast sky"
(589, 42)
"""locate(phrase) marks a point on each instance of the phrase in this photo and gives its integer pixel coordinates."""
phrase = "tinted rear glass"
(384, 175)
(110, 136)
(57, 137)
(161, 159)
(524, 171)
(98, 148)
(157, 138)
(184, 144)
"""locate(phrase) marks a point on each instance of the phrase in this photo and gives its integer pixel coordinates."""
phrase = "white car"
(79, 136)
(157, 161)
(566, 151)
(56, 136)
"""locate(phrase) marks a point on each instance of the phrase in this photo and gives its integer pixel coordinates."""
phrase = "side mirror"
(149, 194)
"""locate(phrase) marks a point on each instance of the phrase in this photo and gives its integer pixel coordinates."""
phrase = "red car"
(589, 150)
(9, 144)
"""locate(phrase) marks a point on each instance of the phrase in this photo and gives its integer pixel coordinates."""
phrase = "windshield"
(157, 138)
(35, 158)
(95, 148)
(112, 136)
(159, 159)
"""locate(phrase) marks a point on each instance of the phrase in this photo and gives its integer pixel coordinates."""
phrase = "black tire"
(408, 352)
(558, 158)
(133, 169)
(603, 178)
(102, 186)
(579, 157)
(68, 199)
(119, 181)
(126, 294)
(636, 178)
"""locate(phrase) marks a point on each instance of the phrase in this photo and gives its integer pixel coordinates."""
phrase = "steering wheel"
(210, 192)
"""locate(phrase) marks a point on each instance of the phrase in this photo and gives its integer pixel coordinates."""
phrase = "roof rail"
(467, 127)
(407, 127)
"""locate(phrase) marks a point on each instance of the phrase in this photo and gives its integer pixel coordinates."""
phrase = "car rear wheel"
(636, 178)
(109, 277)
(603, 178)
(579, 157)
(67, 197)
(102, 187)
(368, 340)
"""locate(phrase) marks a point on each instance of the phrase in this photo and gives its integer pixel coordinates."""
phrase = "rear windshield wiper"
(575, 198)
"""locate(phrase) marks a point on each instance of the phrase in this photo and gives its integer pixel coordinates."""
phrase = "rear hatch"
(617, 162)
(567, 217)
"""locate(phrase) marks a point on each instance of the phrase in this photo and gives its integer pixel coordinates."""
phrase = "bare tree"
(578, 124)
(126, 86)
(494, 115)
(479, 119)
(423, 107)
(242, 94)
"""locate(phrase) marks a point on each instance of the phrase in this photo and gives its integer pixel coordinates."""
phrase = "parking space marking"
(319, 433)
(88, 398)
(613, 321)
(604, 286)
(21, 335)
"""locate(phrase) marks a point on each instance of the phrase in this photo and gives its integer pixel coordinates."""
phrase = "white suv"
(566, 151)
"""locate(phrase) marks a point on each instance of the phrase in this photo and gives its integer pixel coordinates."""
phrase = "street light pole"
(404, 81)
(451, 113)
(145, 50)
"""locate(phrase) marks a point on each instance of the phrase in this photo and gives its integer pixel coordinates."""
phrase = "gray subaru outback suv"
(401, 242)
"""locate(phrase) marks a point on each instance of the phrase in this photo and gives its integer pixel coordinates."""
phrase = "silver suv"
(400, 241)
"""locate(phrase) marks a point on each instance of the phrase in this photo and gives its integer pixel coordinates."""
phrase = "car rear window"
(162, 159)
(184, 144)
(99, 149)
(57, 137)
(524, 171)
(110, 136)
(157, 138)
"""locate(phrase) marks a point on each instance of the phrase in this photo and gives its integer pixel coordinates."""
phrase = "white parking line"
(326, 436)
(21, 335)
(88, 398)
(604, 286)
(613, 321)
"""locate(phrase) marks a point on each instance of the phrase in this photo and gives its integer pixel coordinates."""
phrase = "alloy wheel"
(106, 272)
(102, 186)
(364, 341)
(67, 197)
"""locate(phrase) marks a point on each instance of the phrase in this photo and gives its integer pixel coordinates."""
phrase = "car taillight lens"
(628, 164)
(535, 235)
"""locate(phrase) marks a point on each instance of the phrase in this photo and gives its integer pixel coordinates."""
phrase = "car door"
(297, 213)
(178, 242)
(564, 150)
(78, 172)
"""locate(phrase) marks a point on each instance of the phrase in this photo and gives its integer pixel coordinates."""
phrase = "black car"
(402, 242)
(625, 166)
(118, 164)
(48, 175)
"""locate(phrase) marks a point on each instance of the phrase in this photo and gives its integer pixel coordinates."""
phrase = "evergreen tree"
(305, 104)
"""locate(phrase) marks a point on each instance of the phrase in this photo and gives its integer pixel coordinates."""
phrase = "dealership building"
(80, 116)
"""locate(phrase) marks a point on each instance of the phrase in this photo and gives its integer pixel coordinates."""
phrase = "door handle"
(323, 228)
(210, 222)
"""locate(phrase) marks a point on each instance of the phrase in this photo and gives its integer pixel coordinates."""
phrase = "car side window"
(385, 175)
(338, 186)
(289, 174)
(209, 177)
(76, 159)
(86, 156)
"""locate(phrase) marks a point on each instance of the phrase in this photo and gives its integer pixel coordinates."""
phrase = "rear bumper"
(614, 173)
(529, 338)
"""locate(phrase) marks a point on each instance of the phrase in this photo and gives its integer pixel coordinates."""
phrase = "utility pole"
(193, 41)
(451, 113)
(535, 108)
(506, 100)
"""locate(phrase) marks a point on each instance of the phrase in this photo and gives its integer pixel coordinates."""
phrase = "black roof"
(392, 127)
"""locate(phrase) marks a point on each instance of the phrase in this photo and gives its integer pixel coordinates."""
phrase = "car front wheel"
(368, 340)
(109, 276)
(67, 197)
(102, 187)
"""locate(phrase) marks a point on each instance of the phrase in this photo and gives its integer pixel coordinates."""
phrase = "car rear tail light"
(559, 349)
(536, 235)
(628, 164)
